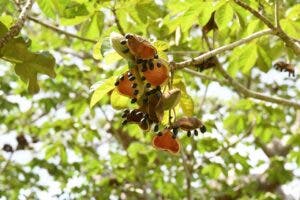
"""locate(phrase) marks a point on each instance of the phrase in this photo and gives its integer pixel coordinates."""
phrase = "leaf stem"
(46, 25)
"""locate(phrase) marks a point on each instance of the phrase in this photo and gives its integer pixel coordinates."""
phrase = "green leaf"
(49, 7)
(42, 63)
(161, 45)
(63, 154)
(51, 151)
(119, 101)
(264, 60)
(186, 101)
(136, 148)
(97, 50)
(102, 90)
(294, 12)
(243, 58)
(74, 9)
(224, 15)
(212, 170)
(292, 28)
(187, 104)
(206, 10)
(92, 28)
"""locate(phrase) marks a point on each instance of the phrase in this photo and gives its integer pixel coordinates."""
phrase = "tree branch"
(239, 87)
(203, 76)
(219, 50)
(16, 28)
(113, 10)
(188, 175)
(256, 95)
(275, 30)
(61, 31)
(276, 11)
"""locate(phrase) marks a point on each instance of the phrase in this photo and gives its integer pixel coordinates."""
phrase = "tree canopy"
(234, 65)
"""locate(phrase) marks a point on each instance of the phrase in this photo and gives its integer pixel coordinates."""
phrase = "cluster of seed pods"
(142, 83)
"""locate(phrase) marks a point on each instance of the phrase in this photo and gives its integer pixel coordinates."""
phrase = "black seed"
(135, 92)
(123, 42)
(126, 111)
(159, 133)
(124, 122)
(122, 78)
(143, 78)
(148, 85)
(195, 132)
(203, 129)
(134, 85)
(138, 61)
(151, 65)
(189, 133)
(144, 67)
(143, 120)
(125, 51)
(175, 131)
(117, 83)
(156, 127)
(145, 100)
(158, 65)
(139, 114)
(124, 115)
(132, 78)
(133, 112)
(128, 36)
(155, 56)
(158, 88)
(133, 100)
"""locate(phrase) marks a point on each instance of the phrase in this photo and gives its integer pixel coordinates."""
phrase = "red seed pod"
(156, 73)
(126, 85)
(139, 47)
(165, 141)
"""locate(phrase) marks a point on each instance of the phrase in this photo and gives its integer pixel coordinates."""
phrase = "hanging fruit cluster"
(147, 83)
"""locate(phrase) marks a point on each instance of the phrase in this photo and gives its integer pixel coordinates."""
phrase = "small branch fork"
(229, 80)
(16, 28)
(276, 30)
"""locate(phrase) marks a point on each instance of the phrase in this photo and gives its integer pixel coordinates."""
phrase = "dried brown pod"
(189, 124)
(211, 24)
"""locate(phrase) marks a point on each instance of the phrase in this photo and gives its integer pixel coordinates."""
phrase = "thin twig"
(7, 163)
(203, 57)
(113, 10)
(276, 11)
(233, 144)
(202, 76)
(61, 31)
(275, 30)
(187, 175)
(16, 28)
